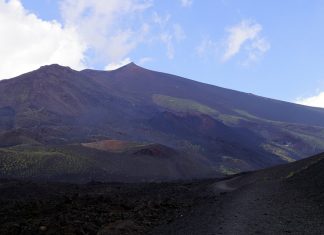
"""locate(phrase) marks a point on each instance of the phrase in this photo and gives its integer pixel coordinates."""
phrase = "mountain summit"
(132, 65)
(217, 129)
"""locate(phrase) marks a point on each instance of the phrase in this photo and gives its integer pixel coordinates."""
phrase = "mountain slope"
(142, 84)
(228, 130)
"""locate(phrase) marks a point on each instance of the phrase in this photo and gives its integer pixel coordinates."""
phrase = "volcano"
(53, 119)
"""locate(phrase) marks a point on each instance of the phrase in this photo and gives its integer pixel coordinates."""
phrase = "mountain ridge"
(133, 65)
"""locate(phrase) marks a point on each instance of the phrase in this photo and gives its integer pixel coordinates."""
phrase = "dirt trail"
(209, 217)
(226, 185)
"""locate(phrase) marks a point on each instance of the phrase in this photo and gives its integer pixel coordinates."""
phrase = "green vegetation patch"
(231, 165)
(314, 142)
(29, 162)
(282, 153)
(190, 106)
(182, 105)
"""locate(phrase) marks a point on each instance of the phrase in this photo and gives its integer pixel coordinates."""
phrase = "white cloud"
(178, 32)
(110, 28)
(171, 33)
(160, 20)
(255, 51)
(186, 3)
(170, 37)
(246, 33)
(145, 60)
(314, 101)
(27, 42)
(167, 38)
(113, 66)
(206, 47)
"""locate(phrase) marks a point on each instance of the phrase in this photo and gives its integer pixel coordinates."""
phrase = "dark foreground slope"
(287, 199)
(283, 200)
(94, 208)
(232, 131)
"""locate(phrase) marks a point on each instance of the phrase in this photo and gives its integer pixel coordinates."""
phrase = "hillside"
(80, 164)
(222, 130)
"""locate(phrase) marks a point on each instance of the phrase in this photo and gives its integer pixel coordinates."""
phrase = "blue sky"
(269, 48)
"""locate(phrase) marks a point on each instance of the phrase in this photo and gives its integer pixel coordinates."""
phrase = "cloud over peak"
(113, 66)
(92, 33)
(108, 28)
(27, 42)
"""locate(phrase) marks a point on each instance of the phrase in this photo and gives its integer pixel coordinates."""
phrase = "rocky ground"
(95, 208)
(283, 200)
(253, 209)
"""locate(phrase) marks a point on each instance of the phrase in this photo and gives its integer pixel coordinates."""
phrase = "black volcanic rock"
(286, 199)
